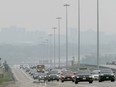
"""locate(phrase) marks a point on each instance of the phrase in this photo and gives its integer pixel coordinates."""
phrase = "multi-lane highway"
(24, 80)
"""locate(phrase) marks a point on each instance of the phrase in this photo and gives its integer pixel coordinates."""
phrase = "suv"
(95, 74)
(83, 76)
(106, 74)
(53, 75)
(67, 76)
(42, 76)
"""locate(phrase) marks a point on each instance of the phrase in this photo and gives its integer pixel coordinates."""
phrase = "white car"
(95, 74)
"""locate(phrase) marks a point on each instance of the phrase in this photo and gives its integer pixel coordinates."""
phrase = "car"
(42, 76)
(95, 74)
(67, 76)
(53, 75)
(83, 76)
(21, 66)
(27, 69)
(35, 75)
(32, 73)
(33, 67)
(106, 74)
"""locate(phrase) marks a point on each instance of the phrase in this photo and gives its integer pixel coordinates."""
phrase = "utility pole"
(66, 5)
(78, 33)
(50, 50)
(59, 38)
(98, 34)
(54, 47)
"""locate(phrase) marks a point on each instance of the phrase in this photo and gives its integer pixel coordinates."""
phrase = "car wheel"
(90, 81)
(76, 82)
(62, 81)
(100, 80)
(48, 80)
(72, 80)
(58, 80)
(112, 80)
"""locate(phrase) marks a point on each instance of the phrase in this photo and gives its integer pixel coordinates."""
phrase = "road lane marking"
(16, 76)
(74, 85)
(26, 75)
(30, 78)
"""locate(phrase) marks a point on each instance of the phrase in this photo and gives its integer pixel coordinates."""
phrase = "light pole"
(0, 61)
(98, 34)
(54, 46)
(78, 33)
(66, 5)
(59, 36)
(47, 59)
(50, 50)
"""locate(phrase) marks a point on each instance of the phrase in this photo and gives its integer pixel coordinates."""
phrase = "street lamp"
(98, 34)
(54, 46)
(50, 50)
(66, 5)
(47, 52)
(78, 33)
(59, 36)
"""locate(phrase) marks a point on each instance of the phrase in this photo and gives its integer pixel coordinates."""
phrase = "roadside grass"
(6, 78)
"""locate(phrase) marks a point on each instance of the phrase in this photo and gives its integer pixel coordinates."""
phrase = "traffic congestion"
(40, 74)
(57, 43)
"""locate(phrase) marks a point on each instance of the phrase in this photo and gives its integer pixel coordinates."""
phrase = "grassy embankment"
(7, 76)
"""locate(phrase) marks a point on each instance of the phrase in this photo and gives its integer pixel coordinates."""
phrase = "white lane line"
(26, 75)
(15, 75)
(76, 84)
(30, 78)
(87, 86)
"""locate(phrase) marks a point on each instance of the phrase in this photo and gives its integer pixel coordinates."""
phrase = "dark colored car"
(21, 66)
(42, 76)
(67, 76)
(53, 75)
(32, 72)
(27, 70)
(35, 75)
(33, 67)
(83, 76)
(106, 74)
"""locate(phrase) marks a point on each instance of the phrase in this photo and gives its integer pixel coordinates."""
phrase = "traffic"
(41, 74)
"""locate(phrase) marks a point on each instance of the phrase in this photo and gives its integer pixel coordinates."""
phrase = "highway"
(24, 80)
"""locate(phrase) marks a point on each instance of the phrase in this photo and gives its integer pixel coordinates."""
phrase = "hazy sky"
(41, 14)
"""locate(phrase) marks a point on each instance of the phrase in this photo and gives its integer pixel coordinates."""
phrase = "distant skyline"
(40, 15)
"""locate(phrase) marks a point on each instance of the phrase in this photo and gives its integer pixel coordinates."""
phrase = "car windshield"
(96, 72)
(106, 71)
(83, 72)
(53, 72)
(68, 72)
(41, 73)
(40, 66)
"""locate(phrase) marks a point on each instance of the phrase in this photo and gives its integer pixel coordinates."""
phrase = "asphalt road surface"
(24, 80)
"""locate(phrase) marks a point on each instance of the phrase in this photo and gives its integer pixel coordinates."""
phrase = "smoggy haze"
(41, 14)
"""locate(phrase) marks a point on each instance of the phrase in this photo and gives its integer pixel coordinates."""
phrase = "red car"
(67, 76)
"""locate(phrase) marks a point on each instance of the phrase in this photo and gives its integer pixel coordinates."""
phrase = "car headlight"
(90, 76)
(72, 76)
(63, 76)
(77, 76)
(112, 74)
(101, 74)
